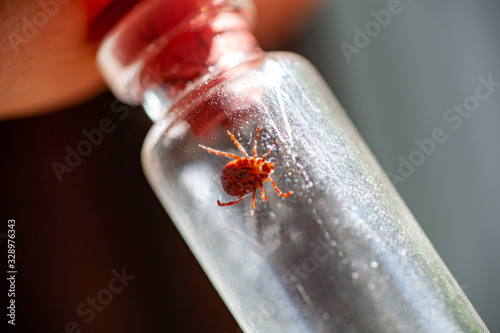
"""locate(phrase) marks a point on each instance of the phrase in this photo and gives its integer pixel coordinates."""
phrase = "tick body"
(245, 175)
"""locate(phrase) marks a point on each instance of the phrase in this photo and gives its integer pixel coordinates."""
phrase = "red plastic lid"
(103, 14)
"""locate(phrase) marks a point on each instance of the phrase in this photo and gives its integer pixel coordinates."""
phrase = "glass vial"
(342, 253)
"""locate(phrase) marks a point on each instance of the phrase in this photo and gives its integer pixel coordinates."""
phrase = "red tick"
(244, 175)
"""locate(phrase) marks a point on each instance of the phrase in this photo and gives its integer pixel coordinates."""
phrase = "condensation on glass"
(342, 253)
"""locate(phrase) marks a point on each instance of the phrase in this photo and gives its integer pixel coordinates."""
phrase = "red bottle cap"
(163, 45)
(174, 41)
(103, 14)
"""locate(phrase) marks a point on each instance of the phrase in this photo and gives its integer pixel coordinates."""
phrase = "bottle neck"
(166, 44)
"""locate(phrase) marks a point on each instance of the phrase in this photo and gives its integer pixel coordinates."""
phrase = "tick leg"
(253, 203)
(281, 194)
(264, 198)
(255, 141)
(218, 152)
(237, 143)
(229, 203)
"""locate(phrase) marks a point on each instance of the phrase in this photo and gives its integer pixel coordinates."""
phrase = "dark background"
(103, 215)
(70, 235)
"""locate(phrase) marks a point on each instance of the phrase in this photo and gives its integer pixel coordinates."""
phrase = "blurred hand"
(47, 64)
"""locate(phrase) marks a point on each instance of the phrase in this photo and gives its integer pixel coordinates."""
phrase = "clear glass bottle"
(342, 253)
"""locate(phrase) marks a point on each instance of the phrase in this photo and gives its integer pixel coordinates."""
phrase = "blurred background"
(398, 89)
(399, 77)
